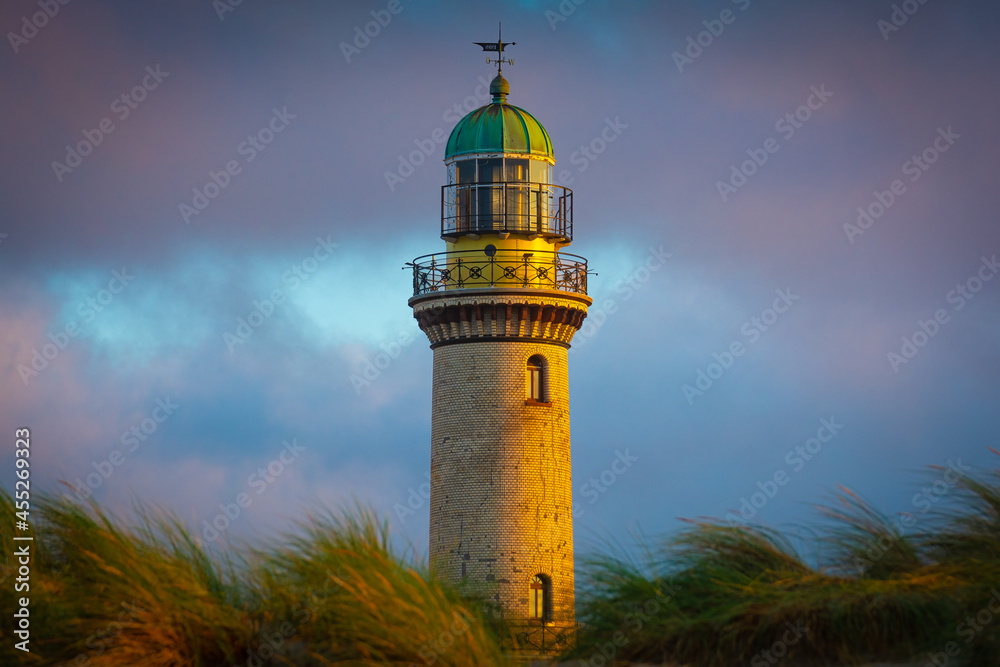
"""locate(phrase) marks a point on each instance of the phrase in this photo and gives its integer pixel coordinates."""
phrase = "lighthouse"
(500, 305)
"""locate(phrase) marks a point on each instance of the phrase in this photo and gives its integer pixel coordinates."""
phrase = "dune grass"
(358, 600)
(106, 591)
(888, 589)
(142, 590)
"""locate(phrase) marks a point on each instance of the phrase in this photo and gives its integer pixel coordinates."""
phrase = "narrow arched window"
(536, 379)
(536, 598)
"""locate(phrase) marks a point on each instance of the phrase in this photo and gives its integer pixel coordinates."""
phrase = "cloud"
(201, 287)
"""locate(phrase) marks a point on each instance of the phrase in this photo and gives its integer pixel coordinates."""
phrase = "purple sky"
(833, 103)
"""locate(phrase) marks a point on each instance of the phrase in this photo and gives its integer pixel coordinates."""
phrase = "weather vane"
(498, 47)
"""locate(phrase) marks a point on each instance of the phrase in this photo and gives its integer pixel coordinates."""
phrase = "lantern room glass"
(501, 194)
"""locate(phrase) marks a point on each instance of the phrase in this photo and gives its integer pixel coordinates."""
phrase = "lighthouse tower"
(500, 306)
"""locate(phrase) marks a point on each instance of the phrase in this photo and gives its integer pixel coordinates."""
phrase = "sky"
(206, 208)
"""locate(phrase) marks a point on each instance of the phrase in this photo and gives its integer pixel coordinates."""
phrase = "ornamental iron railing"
(472, 269)
(536, 637)
(541, 209)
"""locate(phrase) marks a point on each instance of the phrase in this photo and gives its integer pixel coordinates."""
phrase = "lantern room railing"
(541, 209)
(471, 269)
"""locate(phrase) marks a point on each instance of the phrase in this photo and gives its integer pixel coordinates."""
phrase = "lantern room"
(499, 160)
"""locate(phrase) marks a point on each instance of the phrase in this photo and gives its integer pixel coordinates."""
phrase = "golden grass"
(106, 590)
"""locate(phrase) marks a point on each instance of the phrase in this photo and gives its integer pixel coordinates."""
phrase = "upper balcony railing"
(541, 209)
(471, 269)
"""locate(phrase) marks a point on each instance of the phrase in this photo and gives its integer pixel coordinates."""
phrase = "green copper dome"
(499, 127)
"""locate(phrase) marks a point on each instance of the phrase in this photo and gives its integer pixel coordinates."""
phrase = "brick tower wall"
(501, 488)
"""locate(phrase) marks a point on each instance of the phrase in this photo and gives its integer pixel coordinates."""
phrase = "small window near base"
(536, 598)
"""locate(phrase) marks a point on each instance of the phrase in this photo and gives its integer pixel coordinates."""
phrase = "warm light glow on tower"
(500, 306)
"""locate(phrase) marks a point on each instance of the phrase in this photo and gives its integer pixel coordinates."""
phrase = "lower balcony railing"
(469, 269)
(536, 637)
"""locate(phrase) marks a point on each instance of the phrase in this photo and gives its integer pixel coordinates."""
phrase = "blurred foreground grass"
(142, 590)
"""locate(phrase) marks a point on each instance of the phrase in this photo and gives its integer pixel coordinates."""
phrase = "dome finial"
(499, 89)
